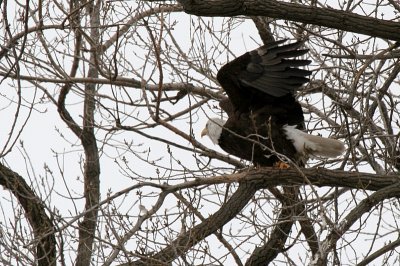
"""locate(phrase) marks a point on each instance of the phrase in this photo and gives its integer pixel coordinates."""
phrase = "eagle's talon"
(281, 165)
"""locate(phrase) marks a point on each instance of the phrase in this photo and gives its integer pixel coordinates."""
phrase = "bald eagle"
(265, 120)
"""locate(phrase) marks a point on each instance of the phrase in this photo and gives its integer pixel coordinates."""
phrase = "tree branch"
(327, 17)
(386, 248)
(266, 253)
(35, 211)
(320, 177)
(255, 179)
(363, 207)
(87, 228)
(187, 240)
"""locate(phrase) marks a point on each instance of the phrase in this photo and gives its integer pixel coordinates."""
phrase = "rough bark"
(35, 211)
(327, 17)
(320, 177)
(87, 228)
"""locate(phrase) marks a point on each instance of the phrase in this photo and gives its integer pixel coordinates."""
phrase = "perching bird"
(264, 118)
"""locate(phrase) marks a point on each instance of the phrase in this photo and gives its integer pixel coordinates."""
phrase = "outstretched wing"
(271, 72)
(264, 74)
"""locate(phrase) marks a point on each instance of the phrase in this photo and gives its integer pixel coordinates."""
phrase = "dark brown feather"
(261, 129)
(260, 85)
(263, 74)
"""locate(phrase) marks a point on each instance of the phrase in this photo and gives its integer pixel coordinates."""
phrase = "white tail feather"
(313, 145)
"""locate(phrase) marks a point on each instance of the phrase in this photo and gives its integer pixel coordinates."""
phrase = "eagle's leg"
(281, 165)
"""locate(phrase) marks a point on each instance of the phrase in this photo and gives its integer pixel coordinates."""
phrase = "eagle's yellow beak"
(204, 132)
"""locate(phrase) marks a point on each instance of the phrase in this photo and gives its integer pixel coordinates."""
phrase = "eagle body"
(265, 121)
(253, 135)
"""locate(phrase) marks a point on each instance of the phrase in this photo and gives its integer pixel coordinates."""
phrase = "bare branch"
(327, 17)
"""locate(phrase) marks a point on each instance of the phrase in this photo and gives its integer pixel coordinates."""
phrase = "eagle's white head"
(213, 129)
